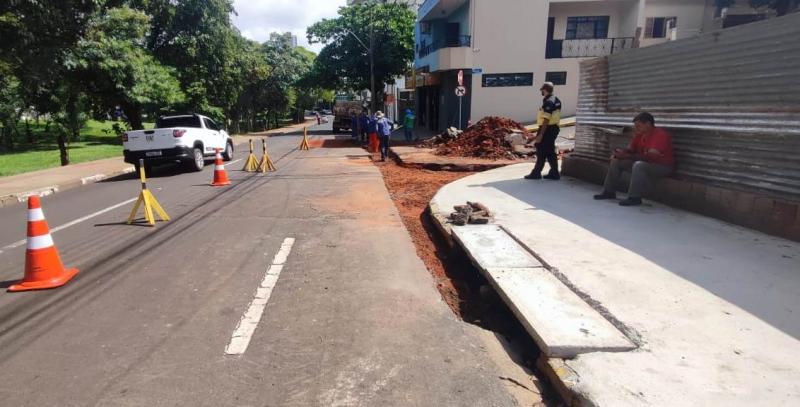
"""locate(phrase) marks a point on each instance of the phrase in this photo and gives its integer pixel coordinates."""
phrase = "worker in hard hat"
(545, 141)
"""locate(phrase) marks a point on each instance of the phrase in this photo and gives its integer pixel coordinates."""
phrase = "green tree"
(10, 106)
(289, 66)
(117, 69)
(197, 38)
(252, 70)
(344, 62)
(38, 38)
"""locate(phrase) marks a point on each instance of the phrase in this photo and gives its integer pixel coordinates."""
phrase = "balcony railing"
(587, 48)
(424, 50)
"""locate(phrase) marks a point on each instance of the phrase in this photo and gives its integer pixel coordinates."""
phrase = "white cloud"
(256, 19)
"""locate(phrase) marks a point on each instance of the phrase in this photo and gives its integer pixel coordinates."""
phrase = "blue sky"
(258, 18)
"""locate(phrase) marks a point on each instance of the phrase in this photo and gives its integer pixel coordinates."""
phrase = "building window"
(558, 78)
(658, 27)
(590, 27)
(497, 80)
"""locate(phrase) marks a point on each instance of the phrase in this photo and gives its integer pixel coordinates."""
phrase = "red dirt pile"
(486, 139)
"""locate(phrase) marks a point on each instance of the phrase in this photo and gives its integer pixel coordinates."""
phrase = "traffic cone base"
(251, 164)
(149, 204)
(266, 164)
(304, 144)
(54, 282)
(43, 267)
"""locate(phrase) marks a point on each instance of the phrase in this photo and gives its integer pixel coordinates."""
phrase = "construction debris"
(489, 139)
(473, 213)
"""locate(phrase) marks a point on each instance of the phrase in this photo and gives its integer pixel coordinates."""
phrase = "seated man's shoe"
(553, 177)
(605, 195)
(533, 176)
(631, 202)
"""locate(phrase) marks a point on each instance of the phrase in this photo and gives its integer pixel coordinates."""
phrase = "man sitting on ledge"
(648, 156)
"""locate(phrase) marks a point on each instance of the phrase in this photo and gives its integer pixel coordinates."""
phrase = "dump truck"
(342, 112)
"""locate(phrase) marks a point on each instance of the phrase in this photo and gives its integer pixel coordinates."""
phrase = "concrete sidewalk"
(712, 309)
(17, 188)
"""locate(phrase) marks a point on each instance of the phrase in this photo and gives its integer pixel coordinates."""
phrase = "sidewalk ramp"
(561, 323)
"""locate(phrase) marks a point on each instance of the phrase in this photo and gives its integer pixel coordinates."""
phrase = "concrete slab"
(715, 307)
(491, 247)
(562, 324)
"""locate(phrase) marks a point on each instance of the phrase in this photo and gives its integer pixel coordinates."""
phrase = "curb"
(563, 379)
(19, 197)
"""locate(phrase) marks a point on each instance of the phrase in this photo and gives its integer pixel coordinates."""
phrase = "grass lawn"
(98, 141)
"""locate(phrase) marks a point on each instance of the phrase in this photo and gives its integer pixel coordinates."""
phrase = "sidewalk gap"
(461, 285)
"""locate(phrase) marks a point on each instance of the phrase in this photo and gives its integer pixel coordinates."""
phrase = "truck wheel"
(198, 161)
(227, 155)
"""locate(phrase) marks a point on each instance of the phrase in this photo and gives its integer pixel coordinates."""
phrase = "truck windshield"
(178, 121)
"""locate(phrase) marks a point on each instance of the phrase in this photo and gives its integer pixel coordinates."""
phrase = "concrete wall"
(622, 23)
(508, 39)
(510, 36)
(622, 16)
(776, 216)
(691, 17)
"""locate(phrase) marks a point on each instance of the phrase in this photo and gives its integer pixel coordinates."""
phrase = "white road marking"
(247, 325)
(72, 223)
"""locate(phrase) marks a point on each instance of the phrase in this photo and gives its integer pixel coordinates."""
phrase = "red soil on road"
(411, 190)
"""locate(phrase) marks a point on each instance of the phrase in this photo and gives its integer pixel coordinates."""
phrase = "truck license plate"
(153, 154)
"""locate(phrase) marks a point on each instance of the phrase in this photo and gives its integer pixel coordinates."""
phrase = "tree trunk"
(8, 139)
(134, 114)
(28, 132)
(72, 121)
(62, 148)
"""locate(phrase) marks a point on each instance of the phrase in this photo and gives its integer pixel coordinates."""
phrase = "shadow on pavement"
(137, 222)
(725, 260)
(159, 171)
(8, 283)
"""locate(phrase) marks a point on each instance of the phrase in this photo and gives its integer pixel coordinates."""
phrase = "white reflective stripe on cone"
(35, 214)
(220, 168)
(40, 242)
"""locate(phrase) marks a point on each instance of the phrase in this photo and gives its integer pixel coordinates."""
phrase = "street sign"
(477, 71)
(461, 91)
(460, 77)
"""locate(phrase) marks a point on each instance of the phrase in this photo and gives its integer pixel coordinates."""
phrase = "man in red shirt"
(648, 156)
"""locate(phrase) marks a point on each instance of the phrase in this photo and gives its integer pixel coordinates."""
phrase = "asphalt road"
(306, 274)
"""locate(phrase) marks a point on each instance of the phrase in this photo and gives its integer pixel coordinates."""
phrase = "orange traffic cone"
(220, 175)
(43, 268)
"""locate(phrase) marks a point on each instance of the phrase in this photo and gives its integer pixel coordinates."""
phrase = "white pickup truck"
(189, 139)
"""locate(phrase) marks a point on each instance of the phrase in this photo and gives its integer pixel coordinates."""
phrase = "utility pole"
(372, 55)
(370, 50)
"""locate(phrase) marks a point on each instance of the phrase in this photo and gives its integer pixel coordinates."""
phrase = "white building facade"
(507, 48)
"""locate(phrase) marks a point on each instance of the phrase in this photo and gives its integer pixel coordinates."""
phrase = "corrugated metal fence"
(731, 100)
